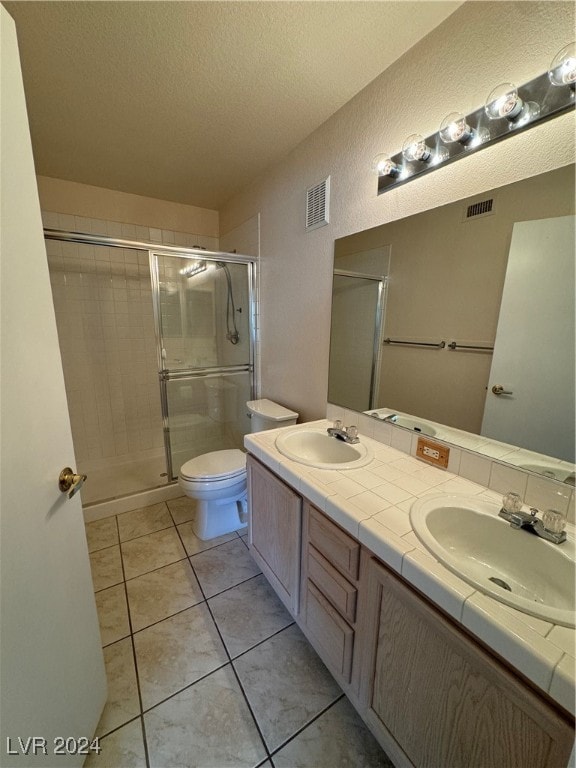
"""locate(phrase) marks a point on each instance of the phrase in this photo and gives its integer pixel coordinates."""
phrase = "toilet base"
(214, 519)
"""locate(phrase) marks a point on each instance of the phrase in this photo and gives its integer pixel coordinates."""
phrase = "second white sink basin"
(513, 566)
(418, 426)
(316, 448)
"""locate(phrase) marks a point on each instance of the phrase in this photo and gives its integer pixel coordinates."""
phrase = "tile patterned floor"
(205, 666)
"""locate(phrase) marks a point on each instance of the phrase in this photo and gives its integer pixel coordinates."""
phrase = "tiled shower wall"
(103, 304)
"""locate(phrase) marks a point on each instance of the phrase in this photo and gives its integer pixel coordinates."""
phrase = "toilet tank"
(264, 414)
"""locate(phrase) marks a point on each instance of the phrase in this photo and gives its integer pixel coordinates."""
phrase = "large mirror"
(459, 322)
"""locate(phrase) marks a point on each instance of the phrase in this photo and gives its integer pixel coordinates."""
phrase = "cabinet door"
(275, 531)
(443, 698)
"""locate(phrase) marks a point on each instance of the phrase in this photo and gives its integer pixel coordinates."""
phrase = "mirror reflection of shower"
(196, 268)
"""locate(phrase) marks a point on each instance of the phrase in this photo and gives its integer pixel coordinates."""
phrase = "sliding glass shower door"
(204, 308)
(357, 312)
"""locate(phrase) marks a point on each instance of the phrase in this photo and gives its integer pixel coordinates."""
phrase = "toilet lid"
(215, 465)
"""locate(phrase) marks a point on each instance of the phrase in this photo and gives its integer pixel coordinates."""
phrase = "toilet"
(217, 480)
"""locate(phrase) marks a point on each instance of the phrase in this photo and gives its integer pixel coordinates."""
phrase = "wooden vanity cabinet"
(331, 568)
(433, 697)
(275, 531)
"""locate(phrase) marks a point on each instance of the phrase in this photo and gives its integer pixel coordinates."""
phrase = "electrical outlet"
(433, 453)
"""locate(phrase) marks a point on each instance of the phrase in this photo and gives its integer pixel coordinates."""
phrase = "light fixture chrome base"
(552, 101)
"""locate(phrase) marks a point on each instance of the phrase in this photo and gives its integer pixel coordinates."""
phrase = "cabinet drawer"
(332, 584)
(339, 548)
(330, 634)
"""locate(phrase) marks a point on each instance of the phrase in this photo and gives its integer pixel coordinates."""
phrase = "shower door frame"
(381, 295)
(195, 373)
(159, 249)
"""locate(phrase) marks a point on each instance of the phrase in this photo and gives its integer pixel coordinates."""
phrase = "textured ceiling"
(190, 101)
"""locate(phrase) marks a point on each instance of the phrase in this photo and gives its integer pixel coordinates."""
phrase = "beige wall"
(453, 68)
(69, 197)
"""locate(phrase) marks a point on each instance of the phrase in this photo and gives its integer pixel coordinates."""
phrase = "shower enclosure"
(355, 338)
(202, 309)
(158, 355)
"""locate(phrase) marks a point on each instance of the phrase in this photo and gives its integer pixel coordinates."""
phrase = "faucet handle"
(337, 424)
(511, 502)
(553, 520)
(352, 431)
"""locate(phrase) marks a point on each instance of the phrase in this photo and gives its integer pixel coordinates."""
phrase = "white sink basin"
(552, 471)
(316, 448)
(405, 421)
(513, 566)
(415, 424)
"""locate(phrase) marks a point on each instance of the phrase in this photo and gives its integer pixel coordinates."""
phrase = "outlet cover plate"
(432, 452)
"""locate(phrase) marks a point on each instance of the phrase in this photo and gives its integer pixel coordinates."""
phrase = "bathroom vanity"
(439, 675)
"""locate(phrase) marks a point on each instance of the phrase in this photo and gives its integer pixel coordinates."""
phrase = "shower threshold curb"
(111, 507)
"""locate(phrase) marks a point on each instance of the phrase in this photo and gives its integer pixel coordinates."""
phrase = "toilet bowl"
(217, 480)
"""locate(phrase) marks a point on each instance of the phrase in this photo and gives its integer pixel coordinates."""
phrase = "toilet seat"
(215, 466)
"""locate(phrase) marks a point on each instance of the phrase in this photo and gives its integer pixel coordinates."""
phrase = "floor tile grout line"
(130, 635)
(256, 724)
(134, 657)
(243, 692)
(184, 688)
(231, 661)
(227, 589)
(153, 570)
(308, 724)
(148, 533)
(261, 642)
(170, 616)
(139, 536)
(145, 741)
(208, 549)
(118, 727)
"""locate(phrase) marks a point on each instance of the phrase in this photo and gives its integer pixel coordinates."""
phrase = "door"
(535, 342)
(275, 532)
(203, 308)
(52, 679)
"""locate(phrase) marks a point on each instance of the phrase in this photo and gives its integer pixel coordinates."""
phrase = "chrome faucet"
(389, 417)
(550, 527)
(348, 434)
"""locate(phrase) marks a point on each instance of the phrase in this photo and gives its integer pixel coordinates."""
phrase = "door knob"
(498, 389)
(69, 482)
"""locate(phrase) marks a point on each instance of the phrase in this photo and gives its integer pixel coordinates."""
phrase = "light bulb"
(563, 67)
(414, 148)
(382, 165)
(504, 101)
(455, 128)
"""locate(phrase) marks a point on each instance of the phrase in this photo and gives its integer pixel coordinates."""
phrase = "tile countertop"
(373, 504)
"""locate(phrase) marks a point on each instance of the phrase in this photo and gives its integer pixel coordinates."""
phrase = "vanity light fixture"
(563, 67)
(508, 110)
(193, 269)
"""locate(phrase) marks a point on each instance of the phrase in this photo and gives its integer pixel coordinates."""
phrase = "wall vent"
(479, 209)
(317, 204)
